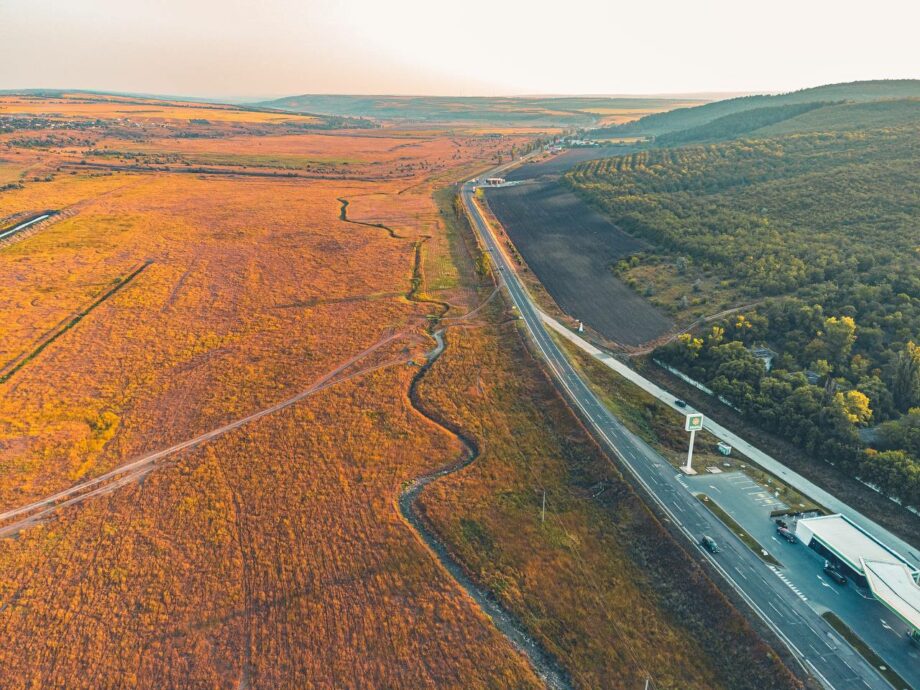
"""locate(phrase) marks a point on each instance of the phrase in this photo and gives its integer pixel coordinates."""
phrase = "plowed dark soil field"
(571, 247)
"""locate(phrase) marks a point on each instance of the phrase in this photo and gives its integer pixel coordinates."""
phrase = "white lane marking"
(830, 587)
(485, 232)
(820, 675)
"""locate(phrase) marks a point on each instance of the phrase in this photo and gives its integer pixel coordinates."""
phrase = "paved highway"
(813, 643)
(793, 479)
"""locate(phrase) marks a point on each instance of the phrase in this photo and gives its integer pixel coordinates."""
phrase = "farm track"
(14, 520)
(545, 667)
(649, 347)
(132, 471)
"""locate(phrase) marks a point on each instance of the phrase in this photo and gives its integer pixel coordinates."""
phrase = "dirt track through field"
(544, 666)
(133, 470)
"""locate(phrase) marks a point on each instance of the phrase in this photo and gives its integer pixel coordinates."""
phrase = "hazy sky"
(232, 48)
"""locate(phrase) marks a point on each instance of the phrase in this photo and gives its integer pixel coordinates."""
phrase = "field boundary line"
(19, 362)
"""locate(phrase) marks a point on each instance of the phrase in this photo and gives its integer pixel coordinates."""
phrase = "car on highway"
(709, 544)
(831, 571)
(680, 403)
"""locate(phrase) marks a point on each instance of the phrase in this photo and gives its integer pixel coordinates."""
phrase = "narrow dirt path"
(545, 667)
(133, 470)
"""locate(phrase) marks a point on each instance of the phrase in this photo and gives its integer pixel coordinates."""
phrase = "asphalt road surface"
(774, 467)
(811, 640)
(750, 505)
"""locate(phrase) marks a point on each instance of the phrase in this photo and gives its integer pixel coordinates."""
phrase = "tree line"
(822, 230)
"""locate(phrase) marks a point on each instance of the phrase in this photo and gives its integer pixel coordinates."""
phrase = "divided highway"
(820, 650)
(793, 479)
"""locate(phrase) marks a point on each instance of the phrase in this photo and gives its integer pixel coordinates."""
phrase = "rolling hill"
(518, 111)
(810, 221)
(683, 119)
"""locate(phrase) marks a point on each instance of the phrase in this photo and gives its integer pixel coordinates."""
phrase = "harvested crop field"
(571, 248)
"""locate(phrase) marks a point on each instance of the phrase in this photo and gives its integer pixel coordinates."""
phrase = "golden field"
(274, 554)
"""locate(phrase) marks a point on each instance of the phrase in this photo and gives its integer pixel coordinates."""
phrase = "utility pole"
(646, 682)
(543, 514)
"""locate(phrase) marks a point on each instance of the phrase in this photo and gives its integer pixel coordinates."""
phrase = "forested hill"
(821, 232)
(737, 124)
(687, 118)
(799, 118)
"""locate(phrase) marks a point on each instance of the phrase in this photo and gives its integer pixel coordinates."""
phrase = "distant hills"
(575, 111)
(862, 103)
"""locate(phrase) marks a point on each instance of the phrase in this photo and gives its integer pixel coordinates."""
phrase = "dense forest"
(820, 233)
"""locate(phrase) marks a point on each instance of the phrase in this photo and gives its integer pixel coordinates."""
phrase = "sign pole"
(692, 423)
(689, 466)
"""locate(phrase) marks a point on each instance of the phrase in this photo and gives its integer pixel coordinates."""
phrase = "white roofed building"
(892, 579)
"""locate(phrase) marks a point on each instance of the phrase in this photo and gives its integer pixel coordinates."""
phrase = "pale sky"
(234, 48)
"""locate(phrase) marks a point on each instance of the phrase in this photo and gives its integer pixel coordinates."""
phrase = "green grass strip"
(749, 541)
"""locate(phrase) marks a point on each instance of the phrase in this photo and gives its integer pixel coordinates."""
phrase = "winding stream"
(545, 667)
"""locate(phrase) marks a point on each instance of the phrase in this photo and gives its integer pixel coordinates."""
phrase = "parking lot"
(736, 491)
(750, 505)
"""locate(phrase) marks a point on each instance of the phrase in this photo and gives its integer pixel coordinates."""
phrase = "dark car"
(680, 403)
(786, 534)
(709, 544)
(834, 574)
